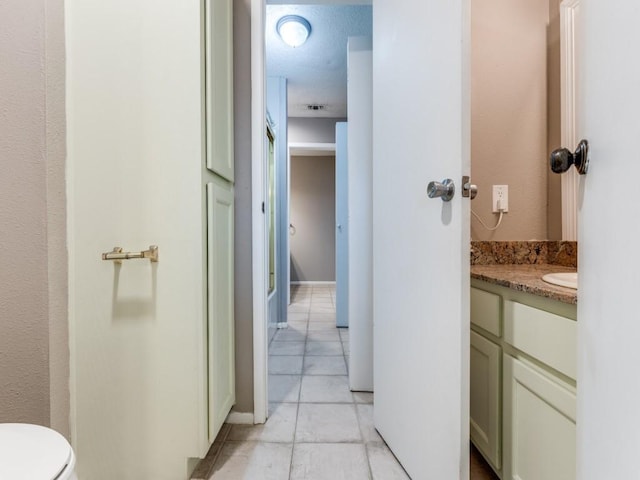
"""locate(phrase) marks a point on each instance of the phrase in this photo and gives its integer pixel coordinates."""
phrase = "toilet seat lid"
(32, 452)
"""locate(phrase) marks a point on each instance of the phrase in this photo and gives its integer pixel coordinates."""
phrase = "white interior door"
(608, 417)
(135, 162)
(421, 245)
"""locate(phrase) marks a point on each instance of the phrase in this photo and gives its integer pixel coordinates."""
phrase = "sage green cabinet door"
(485, 398)
(133, 172)
(219, 87)
(540, 425)
(220, 326)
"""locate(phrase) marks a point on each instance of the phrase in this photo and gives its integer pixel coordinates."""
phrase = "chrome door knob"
(444, 190)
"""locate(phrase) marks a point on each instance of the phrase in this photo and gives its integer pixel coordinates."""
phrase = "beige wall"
(509, 115)
(243, 275)
(57, 218)
(313, 214)
(554, 193)
(34, 358)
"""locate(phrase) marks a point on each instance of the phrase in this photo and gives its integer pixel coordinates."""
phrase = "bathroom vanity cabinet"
(523, 387)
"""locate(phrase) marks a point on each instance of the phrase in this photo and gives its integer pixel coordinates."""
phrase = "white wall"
(360, 185)
(313, 130)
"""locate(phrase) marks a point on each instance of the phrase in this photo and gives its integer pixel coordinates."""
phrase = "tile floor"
(479, 469)
(317, 428)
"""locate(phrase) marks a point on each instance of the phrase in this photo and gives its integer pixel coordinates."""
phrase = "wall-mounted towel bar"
(117, 255)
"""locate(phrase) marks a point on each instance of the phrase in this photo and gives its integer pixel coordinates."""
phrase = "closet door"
(134, 169)
(219, 86)
(221, 358)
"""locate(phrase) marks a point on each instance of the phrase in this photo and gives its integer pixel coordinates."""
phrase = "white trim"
(259, 231)
(312, 149)
(313, 283)
(323, 2)
(240, 418)
(569, 180)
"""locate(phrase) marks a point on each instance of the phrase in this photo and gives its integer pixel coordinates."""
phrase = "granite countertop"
(527, 278)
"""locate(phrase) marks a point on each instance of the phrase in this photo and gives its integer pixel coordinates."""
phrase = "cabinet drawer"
(485, 311)
(545, 336)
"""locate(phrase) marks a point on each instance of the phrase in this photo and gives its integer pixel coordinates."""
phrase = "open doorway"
(397, 120)
(308, 356)
(306, 88)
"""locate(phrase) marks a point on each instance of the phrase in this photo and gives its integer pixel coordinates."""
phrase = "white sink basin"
(565, 279)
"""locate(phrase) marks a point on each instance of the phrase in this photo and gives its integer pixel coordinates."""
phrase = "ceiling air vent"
(316, 107)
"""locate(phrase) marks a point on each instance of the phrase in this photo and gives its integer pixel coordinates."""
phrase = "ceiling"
(316, 71)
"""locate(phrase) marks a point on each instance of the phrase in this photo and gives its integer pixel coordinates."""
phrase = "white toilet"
(32, 452)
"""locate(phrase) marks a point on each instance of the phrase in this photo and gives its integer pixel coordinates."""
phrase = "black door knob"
(562, 159)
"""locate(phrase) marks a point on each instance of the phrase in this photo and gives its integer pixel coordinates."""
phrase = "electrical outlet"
(500, 193)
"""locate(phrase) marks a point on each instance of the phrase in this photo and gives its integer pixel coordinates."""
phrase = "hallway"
(317, 429)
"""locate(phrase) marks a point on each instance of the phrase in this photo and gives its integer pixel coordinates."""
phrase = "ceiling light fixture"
(294, 30)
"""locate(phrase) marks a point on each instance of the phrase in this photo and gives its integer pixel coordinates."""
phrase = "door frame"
(311, 149)
(259, 230)
(568, 74)
(303, 149)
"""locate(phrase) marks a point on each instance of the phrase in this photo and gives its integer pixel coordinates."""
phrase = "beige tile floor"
(317, 428)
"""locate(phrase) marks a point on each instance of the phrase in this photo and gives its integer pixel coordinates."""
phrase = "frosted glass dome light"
(294, 30)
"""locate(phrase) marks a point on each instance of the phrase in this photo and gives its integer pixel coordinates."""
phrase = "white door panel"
(421, 249)
(608, 229)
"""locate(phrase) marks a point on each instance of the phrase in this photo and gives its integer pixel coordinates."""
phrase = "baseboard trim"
(240, 418)
(313, 283)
